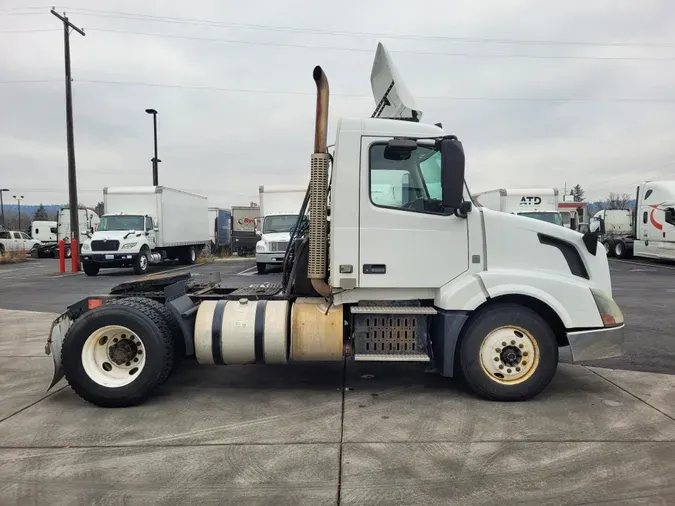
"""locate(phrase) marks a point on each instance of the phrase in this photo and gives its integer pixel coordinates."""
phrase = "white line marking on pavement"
(642, 264)
(247, 272)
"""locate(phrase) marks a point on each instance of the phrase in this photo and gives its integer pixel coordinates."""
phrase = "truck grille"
(278, 246)
(105, 245)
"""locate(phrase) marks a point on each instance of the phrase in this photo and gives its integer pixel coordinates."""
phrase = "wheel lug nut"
(518, 369)
(139, 352)
(524, 362)
(496, 359)
(128, 364)
(504, 343)
(136, 359)
(521, 346)
(525, 354)
(498, 350)
(508, 370)
(513, 342)
(114, 339)
(501, 366)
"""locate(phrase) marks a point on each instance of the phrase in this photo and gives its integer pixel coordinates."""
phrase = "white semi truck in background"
(147, 225)
(540, 204)
(432, 279)
(648, 232)
(279, 205)
(87, 219)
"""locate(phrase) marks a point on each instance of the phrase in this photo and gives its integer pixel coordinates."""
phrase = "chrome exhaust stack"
(318, 190)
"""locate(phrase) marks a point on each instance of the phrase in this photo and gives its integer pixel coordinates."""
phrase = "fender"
(572, 300)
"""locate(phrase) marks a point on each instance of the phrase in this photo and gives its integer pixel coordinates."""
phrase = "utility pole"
(72, 177)
(2, 205)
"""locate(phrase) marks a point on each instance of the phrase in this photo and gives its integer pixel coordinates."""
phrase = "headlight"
(85, 247)
(129, 245)
(609, 311)
(260, 247)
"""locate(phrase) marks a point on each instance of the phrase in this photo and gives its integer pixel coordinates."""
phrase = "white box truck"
(540, 204)
(652, 230)
(431, 279)
(146, 225)
(279, 208)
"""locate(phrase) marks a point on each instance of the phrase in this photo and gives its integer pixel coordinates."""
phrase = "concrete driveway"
(362, 434)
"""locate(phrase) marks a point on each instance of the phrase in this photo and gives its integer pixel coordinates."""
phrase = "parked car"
(12, 240)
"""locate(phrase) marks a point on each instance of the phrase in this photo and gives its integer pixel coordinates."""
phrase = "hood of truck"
(517, 242)
(114, 235)
(276, 237)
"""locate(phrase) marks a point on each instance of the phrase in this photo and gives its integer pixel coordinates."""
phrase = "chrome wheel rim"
(509, 355)
(113, 356)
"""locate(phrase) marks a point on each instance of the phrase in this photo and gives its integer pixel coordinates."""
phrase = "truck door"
(19, 242)
(404, 241)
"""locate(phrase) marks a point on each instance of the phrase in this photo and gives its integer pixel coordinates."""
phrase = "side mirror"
(258, 233)
(85, 232)
(452, 172)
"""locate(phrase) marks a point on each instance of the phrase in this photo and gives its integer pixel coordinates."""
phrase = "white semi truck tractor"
(427, 277)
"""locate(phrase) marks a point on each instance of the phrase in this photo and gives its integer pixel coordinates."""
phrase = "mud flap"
(54, 343)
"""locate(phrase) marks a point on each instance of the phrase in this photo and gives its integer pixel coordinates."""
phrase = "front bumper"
(270, 258)
(109, 258)
(597, 343)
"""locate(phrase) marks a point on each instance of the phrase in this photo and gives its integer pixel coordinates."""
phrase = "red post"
(62, 256)
(74, 255)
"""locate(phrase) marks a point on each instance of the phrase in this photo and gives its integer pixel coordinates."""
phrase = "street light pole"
(155, 160)
(2, 205)
(18, 201)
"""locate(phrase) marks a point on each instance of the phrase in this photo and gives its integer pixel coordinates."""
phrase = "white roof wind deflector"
(392, 97)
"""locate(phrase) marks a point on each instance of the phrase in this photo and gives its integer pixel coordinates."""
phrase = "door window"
(17, 235)
(670, 216)
(411, 185)
(24, 235)
(148, 223)
(5, 235)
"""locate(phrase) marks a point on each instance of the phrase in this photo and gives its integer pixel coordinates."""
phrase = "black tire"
(90, 268)
(620, 249)
(609, 247)
(168, 317)
(142, 262)
(262, 267)
(480, 326)
(156, 337)
(67, 253)
(2, 250)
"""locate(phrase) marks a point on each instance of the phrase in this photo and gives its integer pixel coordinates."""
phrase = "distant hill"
(51, 209)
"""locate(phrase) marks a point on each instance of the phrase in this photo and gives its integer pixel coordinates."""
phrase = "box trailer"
(244, 238)
(147, 225)
(540, 204)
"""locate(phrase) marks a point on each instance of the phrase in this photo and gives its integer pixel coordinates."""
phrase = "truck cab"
(655, 220)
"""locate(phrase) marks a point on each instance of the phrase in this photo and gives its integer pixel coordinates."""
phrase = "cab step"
(428, 310)
(388, 357)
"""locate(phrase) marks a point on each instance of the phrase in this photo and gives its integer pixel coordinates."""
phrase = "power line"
(204, 22)
(477, 98)
(432, 53)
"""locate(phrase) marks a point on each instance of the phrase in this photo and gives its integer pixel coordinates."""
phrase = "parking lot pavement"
(37, 285)
(321, 434)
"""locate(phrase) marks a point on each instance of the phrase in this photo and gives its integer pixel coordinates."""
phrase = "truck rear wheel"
(620, 249)
(90, 268)
(169, 318)
(609, 247)
(508, 352)
(117, 355)
(188, 256)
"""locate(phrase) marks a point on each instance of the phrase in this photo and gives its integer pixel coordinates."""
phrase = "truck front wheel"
(141, 263)
(620, 249)
(116, 356)
(508, 353)
(90, 268)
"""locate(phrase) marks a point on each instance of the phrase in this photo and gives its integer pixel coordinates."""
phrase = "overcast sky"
(599, 115)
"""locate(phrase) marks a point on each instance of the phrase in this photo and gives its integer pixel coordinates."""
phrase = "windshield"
(554, 218)
(279, 223)
(121, 223)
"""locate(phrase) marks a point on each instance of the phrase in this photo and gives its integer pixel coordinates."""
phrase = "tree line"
(41, 214)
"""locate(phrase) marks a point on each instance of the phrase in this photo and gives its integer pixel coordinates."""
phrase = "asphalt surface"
(643, 289)
(330, 434)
